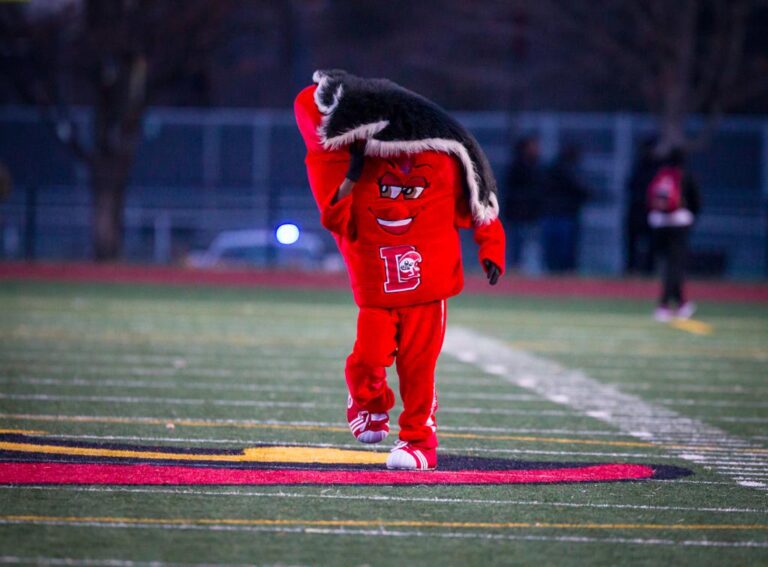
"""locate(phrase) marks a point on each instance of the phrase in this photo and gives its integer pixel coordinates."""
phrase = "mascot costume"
(395, 178)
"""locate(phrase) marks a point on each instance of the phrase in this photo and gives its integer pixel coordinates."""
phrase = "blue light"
(287, 234)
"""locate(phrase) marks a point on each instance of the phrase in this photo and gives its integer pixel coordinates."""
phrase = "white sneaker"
(365, 426)
(686, 310)
(409, 457)
(663, 314)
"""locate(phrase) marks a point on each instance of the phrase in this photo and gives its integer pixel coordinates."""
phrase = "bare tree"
(119, 54)
(683, 57)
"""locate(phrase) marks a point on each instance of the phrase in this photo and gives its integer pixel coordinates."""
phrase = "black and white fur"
(395, 120)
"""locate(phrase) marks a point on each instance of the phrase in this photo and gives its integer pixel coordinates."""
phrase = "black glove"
(356, 160)
(492, 272)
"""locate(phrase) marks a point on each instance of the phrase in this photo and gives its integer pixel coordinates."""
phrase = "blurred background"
(161, 131)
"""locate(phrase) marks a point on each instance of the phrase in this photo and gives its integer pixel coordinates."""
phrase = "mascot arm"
(489, 237)
(336, 216)
(308, 118)
(491, 240)
(326, 169)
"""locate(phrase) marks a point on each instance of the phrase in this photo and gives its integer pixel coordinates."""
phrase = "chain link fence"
(202, 172)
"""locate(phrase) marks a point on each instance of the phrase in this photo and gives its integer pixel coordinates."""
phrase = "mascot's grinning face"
(400, 186)
(406, 199)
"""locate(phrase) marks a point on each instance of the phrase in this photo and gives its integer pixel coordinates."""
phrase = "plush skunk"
(395, 120)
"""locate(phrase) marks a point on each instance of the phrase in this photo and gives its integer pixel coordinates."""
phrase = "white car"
(262, 247)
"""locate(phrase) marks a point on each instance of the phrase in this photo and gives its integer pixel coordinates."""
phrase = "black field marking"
(447, 462)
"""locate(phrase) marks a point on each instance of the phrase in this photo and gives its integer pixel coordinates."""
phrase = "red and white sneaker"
(409, 457)
(367, 427)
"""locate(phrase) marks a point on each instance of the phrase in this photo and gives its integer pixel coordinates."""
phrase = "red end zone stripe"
(74, 473)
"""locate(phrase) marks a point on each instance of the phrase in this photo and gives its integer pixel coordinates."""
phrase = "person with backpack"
(673, 203)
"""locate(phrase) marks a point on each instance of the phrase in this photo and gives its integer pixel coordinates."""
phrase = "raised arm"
(336, 216)
(328, 170)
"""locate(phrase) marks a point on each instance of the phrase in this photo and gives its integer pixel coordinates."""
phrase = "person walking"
(673, 204)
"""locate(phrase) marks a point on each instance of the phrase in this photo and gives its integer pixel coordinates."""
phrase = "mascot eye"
(391, 191)
(412, 192)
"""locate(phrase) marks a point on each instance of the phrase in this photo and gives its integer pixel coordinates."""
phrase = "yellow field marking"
(22, 432)
(328, 428)
(320, 455)
(373, 523)
(204, 423)
(169, 422)
(692, 326)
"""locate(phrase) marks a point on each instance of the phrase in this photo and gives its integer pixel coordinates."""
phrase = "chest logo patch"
(402, 267)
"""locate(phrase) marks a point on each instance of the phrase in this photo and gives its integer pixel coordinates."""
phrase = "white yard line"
(708, 403)
(164, 360)
(170, 401)
(738, 419)
(107, 369)
(177, 364)
(700, 388)
(657, 416)
(88, 562)
(612, 455)
(153, 420)
(684, 481)
(584, 395)
(383, 532)
(672, 361)
(183, 383)
(384, 498)
(252, 403)
(241, 442)
(460, 378)
(649, 371)
(170, 385)
(455, 450)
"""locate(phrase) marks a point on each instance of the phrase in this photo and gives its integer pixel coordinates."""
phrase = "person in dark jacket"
(671, 225)
(521, 207)
(637, 233)
(564, 196)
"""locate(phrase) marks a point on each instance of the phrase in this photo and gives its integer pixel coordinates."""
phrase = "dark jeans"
(560, 237)
(671, 244)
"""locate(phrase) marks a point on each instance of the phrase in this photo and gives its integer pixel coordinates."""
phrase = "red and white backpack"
(665, 191)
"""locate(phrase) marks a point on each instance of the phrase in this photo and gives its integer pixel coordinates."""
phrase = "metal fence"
(200, 172)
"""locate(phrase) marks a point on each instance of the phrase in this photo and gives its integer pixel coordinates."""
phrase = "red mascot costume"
(395, 177)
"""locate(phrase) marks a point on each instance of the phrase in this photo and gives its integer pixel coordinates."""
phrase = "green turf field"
(230, 369)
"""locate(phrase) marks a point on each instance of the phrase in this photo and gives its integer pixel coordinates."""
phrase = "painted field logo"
(26, 459)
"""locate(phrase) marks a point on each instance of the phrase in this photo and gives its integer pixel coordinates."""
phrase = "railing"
(199, 172)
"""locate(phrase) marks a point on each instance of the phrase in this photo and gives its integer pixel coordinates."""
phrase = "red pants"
(411, 336)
